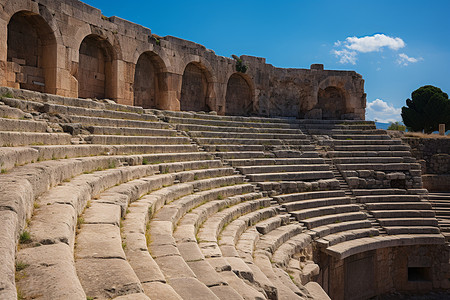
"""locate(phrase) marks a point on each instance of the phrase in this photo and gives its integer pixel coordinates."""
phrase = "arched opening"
(194, 89)
(332, 102)
(147, 80)
(31, 54)
(239, 96)
(95, 68)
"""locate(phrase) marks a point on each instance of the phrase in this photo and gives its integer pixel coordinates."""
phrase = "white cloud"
(347, 51)
(382, 112)
(374, 43)
(345, 56)
(406, 60)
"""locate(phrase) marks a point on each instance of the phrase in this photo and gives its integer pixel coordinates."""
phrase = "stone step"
(333, 239)
(244, 135)
(393, 230)
(22, 125)
(236, 141)
(68, 101)
(231, 233)
(367, 192)
(296, 244)
(334, 228)
(116, 139)
(361, 135)
(11, 112)
(388, 198)
(308, 195)
(380, 167)
(110, 122)
(348, 153)
(274, 161)
(15, 138)
(69, 151)
(371, 160)
(320, 127)
(192, 127)
(275, 238)
(266, 226)
(206, 116)
(323, 211)
(376, 147)
(281, 168)
(295, 153)
(346, 249)
(223, 123)
(233, 148)
(316, 202)
(369, 142)
(291, 176)
(132, 131)
(408, 222)
(334, 218)
(406, 212)
(209, 231)
(99, 113)
(240, 154)
(398, 205)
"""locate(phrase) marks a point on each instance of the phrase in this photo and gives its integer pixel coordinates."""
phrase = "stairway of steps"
(181, 205)
(441, 206)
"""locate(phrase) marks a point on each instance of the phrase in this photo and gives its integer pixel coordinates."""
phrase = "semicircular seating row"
(105, 201)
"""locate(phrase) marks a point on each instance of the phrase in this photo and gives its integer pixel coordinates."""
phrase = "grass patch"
(4, 171)
(426, 136)
(8, 95)
(20, 266)
(80, 221)
(24, 237)
(145, 161)
(219, 197)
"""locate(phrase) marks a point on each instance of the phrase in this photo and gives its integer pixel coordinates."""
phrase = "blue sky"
(397, 46)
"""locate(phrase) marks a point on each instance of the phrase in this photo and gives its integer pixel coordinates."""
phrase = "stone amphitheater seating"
(181, 205)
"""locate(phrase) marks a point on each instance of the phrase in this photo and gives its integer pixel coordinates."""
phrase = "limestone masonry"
(68, 48)
(142, 167)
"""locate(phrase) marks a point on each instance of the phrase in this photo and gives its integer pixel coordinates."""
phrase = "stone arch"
(332, 101)
(95, 68)
(31, 53)
(148, 80)
(239, 95)
(196, 88)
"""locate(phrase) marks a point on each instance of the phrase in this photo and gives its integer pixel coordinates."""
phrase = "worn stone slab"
(191, 288)
(224, 292)
(137, 296)
(11, 138)
(174, 267)
(49, 273)
(11, 157)
(316, 291)
(206, 273)
(190, 251)
(145, 267)
(244, 289)
(163, 250)
(121, 279)
(240, 268)
(99, 241)
(8, 225)
(102, 213)
(262, 282)
(160, 291)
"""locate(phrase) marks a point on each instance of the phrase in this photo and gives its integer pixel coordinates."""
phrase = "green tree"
(428, 107)
(397, 126)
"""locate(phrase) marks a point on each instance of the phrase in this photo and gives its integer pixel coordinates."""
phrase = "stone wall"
(73, 50)
(434, 156)
(416, 269)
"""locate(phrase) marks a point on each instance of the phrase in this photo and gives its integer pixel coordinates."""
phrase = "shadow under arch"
(197, 91)
(239, 99)
(31, 53)
(95, 72)
(149, 85)
(332, 101)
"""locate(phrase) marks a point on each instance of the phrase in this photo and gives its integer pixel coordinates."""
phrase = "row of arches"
(32, 58)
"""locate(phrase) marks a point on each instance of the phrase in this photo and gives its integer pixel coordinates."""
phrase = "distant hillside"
(382, 125)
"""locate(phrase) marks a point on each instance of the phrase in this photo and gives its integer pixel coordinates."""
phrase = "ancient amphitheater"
(195, 181)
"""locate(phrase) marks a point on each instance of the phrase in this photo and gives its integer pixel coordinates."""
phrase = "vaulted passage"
(147, 81)
(31, 53)
(332, 102)
(194, 89)
(95, 68)
(239, 96)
